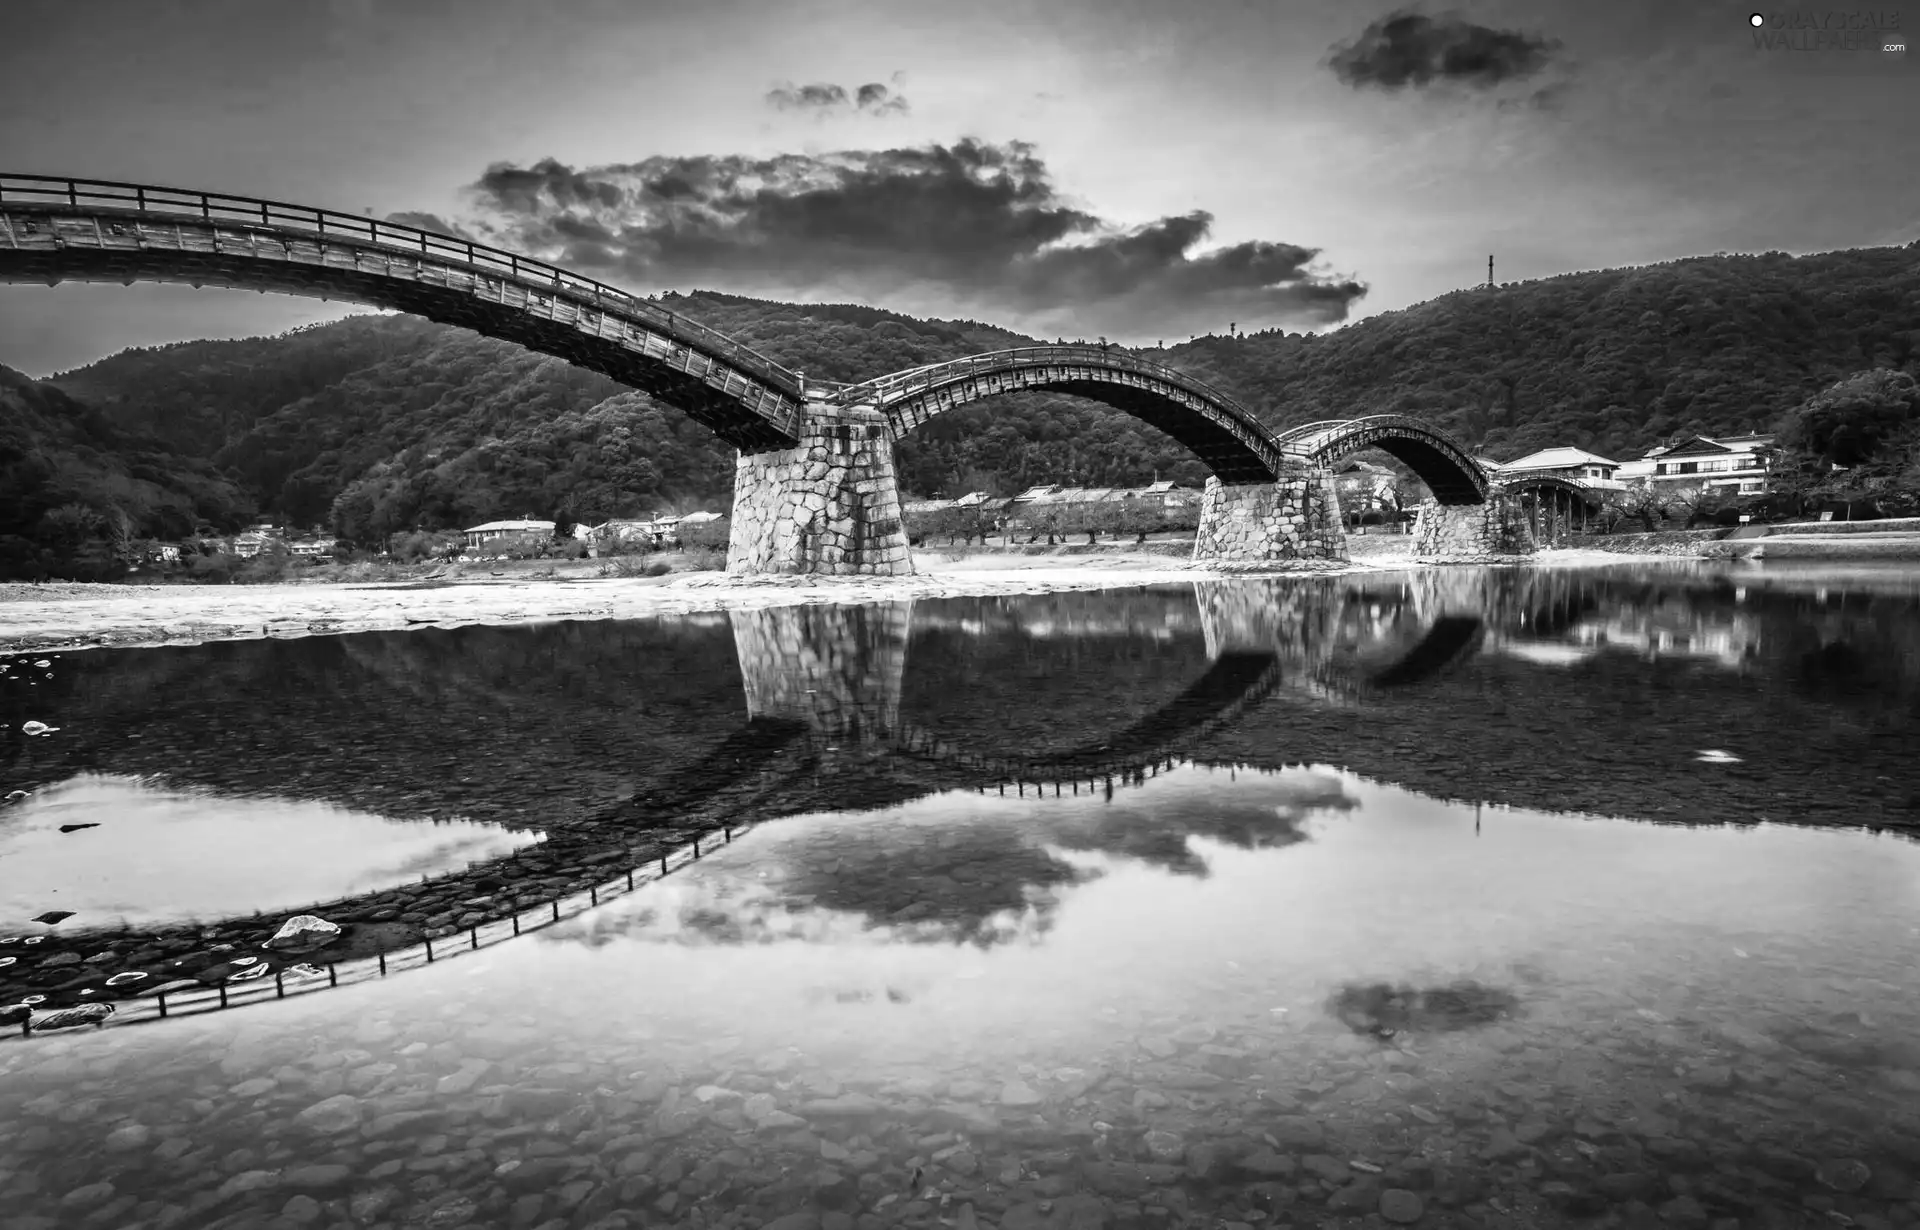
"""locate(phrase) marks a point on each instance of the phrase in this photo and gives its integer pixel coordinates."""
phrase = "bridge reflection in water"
(824, 684)
(628, 732)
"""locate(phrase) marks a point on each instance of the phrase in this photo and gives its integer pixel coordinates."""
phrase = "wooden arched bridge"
(61, 230)
(815, 488)
(1442, 463)
(1552, 502)
(1221, 432)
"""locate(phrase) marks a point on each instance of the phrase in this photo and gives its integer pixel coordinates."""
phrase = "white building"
(1574, 463)
(480, 534)
(1738, 463)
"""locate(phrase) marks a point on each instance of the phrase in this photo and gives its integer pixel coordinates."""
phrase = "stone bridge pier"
(1468, 533)
(828, 505)
(1284, 618)
(1260, 524)
(837, 669)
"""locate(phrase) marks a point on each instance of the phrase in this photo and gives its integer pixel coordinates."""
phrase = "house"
(1736, 464)
(1565, 462)
(481, 534)
(254, 539)
(313, 548)
(701, 518)
(1363, 487)
(627, 530)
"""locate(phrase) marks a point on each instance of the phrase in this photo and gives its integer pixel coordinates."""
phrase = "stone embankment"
(1834, 541)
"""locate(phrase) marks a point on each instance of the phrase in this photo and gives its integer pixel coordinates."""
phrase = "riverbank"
(67, 616)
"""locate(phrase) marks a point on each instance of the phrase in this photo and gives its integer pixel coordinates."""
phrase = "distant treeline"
(381, 424)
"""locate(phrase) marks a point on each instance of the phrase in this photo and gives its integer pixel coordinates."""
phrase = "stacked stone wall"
(1493, 531)
(836, 668)
(1294, 520)
(829, 505)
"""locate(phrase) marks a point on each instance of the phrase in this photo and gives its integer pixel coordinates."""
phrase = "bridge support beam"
(1468, 533)
(1263, 524)
(828, 505)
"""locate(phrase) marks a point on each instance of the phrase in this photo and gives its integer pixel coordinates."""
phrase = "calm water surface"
(1333, 903)
(123, 850)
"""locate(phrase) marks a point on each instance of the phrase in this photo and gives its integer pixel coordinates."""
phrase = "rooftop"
(1555, 458)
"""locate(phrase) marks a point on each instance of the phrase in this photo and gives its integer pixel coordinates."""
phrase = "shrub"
(704, 534)
(703, 559)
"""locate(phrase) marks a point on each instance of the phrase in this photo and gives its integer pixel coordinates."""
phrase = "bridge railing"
(85, 196)
(914, 380)
(1291, 437)
(436, 944)
(1507, 476)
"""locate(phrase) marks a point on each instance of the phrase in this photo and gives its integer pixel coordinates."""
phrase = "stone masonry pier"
(1472, 533)
(828, 505)
(836, 669)
(1260, 525)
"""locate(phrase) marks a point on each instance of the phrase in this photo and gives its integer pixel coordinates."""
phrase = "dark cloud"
(968, 229)
(1407, 49)
(821, 97)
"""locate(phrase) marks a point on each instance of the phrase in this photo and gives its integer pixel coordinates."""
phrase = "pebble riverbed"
(1707, 1029)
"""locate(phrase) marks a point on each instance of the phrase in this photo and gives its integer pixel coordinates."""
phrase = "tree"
(1641, 502)
(1698, 500)
(1847, 423)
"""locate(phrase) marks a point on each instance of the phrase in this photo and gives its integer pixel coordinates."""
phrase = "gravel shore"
(68, 616)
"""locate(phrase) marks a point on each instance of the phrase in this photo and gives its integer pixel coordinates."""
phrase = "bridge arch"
(1442, 462)
(1222, 433)
(63, 230)
(1552, 504)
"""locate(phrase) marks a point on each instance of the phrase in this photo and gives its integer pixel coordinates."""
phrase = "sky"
(1139, 170)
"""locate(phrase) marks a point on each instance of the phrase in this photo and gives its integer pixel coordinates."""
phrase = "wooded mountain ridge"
(380, 423)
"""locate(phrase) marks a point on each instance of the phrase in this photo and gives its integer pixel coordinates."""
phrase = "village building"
(1735, 464)
(480, 535)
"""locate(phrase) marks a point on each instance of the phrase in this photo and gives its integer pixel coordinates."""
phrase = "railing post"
(73, 193)
(140, 198)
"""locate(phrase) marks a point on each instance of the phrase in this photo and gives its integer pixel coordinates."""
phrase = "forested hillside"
(69, 477)
(383, 422)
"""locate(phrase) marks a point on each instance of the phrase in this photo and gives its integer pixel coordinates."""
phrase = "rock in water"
(304, 931)
(69, 1018)
(54, 916)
